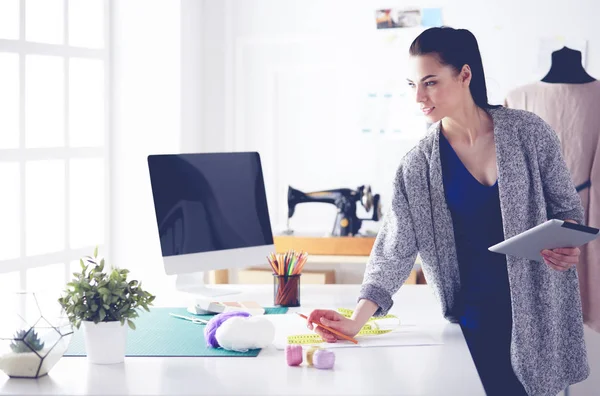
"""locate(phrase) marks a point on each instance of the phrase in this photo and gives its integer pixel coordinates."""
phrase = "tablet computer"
(549, 235)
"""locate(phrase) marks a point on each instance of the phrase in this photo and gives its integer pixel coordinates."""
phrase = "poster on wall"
(431, 17)
(387, 108)
(397, 18)
(391, 113)
(392, 18)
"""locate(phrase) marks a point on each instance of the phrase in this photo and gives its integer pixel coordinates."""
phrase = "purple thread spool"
(293, 355)
(213, 324)
(323, 359)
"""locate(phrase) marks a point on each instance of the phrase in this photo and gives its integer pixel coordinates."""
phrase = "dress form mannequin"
(567, 99)
(567, 68)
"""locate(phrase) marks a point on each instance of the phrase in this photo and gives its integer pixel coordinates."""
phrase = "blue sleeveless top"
(477, 221)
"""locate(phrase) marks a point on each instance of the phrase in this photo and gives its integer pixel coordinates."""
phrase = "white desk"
(426, 370)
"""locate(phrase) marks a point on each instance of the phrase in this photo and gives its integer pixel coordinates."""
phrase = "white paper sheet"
(405, 335)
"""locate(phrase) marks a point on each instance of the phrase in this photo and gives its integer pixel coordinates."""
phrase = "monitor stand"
(194, 284)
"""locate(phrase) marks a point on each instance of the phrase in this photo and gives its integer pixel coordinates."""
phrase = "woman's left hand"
(561, 259)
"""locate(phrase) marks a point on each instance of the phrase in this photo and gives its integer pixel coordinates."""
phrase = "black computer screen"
(209, 201)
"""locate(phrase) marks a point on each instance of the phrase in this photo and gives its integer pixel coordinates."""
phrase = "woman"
(481, 175)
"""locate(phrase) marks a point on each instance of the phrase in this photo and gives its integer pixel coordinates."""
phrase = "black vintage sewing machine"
(347, 222)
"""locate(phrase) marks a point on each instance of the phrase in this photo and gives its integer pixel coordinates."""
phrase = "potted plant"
(104, 302)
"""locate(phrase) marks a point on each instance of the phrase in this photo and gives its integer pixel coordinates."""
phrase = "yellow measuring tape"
(369, 329)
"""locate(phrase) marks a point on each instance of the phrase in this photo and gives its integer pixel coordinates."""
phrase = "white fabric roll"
(243, 333)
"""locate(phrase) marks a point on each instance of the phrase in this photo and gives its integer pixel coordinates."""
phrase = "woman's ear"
(465, 75)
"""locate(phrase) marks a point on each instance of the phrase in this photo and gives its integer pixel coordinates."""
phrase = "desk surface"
(423, 370)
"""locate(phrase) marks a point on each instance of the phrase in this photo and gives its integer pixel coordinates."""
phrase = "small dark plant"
(26, 341)
(97, 296)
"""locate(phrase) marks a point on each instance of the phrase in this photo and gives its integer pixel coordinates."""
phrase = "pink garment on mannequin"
(572, 111)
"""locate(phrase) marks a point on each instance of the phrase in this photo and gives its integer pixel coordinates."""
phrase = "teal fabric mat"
(159, 334)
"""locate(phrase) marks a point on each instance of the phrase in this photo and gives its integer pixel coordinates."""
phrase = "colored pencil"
(288, 264)
(287, 267)
(331, 330)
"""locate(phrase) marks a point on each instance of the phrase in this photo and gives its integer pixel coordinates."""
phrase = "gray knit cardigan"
(547, 348)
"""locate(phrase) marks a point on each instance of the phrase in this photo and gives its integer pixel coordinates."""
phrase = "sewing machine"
(347, 223)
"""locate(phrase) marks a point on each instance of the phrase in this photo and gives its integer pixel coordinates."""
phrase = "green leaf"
(98, 296)
(131, 324)
(104, 291)
(111, 283)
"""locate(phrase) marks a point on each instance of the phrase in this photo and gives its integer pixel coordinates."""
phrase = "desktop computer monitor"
(211, 213)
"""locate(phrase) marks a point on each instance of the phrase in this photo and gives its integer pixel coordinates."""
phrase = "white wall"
(286, 77)
(216, 91)
(146, 110)
(290, 78)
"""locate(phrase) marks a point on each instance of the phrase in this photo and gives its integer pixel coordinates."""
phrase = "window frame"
(22, 154)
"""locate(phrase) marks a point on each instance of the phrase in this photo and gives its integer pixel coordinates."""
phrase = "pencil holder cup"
(286, 290)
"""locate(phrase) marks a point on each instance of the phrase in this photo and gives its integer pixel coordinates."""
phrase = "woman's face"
(437, 89)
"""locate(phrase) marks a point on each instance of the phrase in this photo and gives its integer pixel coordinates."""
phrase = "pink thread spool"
(323, 359)
(293, 355)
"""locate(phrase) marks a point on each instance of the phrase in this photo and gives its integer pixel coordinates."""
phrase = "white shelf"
(317, 259)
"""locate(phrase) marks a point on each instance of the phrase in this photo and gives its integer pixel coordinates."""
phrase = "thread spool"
(310, 354)
(323, 359)
(293, 355)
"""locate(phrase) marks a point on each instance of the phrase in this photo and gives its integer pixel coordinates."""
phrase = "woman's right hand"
(334, 320)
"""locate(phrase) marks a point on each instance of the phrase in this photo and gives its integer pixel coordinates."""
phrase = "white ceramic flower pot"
(105, 342)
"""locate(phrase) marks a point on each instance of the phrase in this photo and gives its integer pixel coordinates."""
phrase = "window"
(53, 139)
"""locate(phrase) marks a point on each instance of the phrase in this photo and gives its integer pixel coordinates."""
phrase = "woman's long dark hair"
(455, 48)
